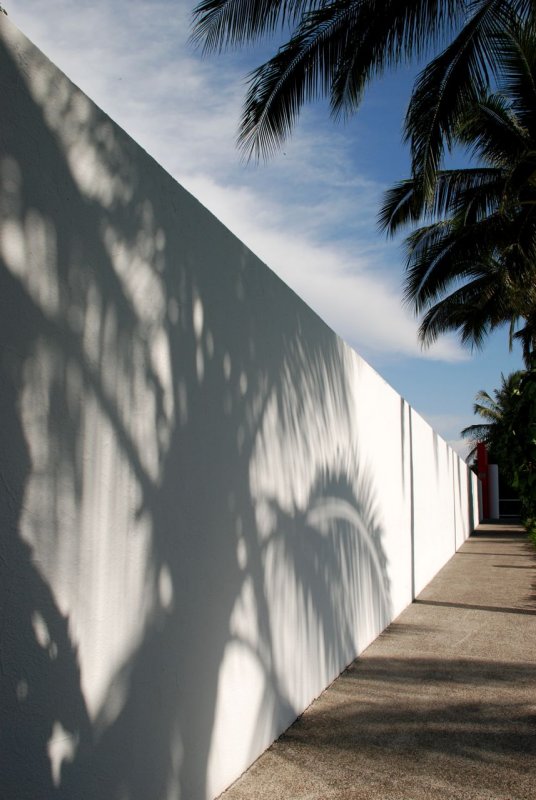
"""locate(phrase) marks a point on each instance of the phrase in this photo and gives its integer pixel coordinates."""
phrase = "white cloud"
(306, 214)
(356, 301)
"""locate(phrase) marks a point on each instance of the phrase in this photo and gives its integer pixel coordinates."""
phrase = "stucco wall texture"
(209, 503)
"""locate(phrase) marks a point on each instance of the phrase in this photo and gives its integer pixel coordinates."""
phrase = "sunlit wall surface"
(210, 505)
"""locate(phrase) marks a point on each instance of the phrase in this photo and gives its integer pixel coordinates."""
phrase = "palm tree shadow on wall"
(333, 547)
(182, 470)
(40, 684)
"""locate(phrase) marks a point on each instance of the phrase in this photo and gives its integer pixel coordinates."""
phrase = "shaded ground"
(441, 705)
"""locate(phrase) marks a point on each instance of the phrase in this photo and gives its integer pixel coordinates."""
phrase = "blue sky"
(310, 213)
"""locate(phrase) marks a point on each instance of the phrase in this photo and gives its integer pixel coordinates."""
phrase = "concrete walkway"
(441, 705)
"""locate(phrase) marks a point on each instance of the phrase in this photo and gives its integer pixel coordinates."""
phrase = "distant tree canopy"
(491, 409)
(514, 443)
(508, 430)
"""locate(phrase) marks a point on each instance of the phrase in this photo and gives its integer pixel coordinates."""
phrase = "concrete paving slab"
(442, 705)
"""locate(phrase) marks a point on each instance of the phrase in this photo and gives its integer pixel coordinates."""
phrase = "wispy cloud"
(306, 214)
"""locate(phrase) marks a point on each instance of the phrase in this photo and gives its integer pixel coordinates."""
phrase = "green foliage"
(337, 47)
(492, 410)
(509, 432)
(530, 525)
(514, 441)
(471, 267)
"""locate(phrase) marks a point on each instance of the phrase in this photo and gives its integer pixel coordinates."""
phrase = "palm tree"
(336, 47)
(493, 410)
(509, 432)
(473, 266)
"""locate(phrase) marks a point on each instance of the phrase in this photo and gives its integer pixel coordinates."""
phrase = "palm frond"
(518, 71)
(383, 38)
(457, 190)
(402, 204)
(491, 132)
(220, 24)
(476, 433)
(479, 189)
(451, 82)
(335, 50)
(300, 71)
(466, 310)
(447, 252)
(488, 298)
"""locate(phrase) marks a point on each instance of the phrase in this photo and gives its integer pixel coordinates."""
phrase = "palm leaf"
(472, 309)
(491, 131)
(220, 24)
(518, 67)
(476, 432)
(385, 37)
(445, 253)
(451, 82)
(299, 72)
(453, 190)
(335, 50)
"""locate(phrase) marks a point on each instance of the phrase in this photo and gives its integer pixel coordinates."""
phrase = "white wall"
(210, 504)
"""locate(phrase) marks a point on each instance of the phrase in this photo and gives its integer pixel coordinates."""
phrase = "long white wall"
(210, 504)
